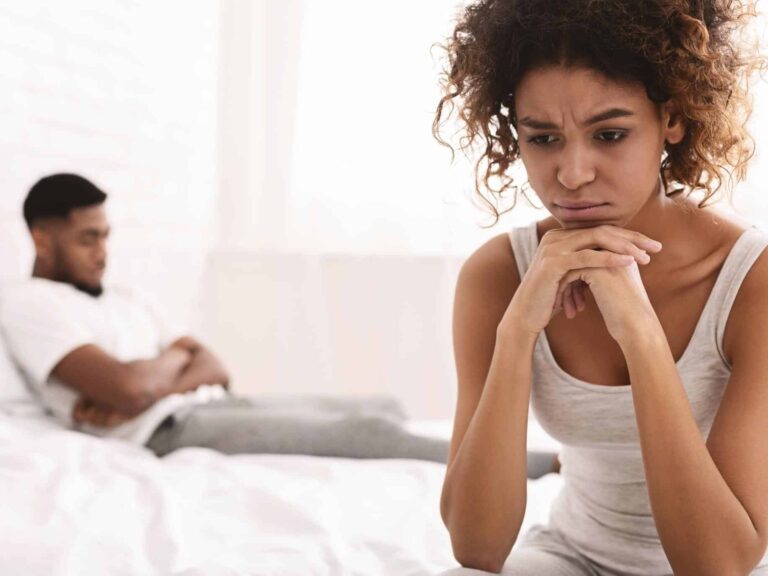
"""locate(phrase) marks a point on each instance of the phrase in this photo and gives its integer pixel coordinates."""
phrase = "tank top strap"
(739, 261)
(524, 243)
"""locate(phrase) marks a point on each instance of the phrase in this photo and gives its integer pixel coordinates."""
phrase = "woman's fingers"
(578, 295)
(571, 265)
(589, 258)
(558, 301)
(563, 256)
(568, 299)
(570, 305)
(565, 302)
(606, 237)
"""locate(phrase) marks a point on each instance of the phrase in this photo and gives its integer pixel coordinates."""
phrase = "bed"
(73, 504)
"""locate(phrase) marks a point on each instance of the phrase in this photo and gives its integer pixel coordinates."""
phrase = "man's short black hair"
(57, 195)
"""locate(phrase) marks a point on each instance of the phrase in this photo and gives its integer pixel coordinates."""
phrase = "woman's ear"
(672, 123)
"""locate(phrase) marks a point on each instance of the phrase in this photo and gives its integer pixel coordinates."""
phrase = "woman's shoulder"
(495, 263)
(749, 310)
(721, 227)
(725, 227)
(495, 260)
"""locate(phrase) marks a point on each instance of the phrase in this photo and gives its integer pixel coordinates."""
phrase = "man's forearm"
(183, 366)
(155, 378)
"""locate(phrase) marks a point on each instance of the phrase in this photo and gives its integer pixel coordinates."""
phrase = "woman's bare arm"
(484, 494)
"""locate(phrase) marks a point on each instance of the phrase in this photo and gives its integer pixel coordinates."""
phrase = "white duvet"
(71, 504)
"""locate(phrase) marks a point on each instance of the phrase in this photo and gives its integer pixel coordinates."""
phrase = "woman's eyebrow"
(606, 115)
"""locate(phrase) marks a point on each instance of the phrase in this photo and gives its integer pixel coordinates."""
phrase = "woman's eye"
(537, 140)
(615, 136)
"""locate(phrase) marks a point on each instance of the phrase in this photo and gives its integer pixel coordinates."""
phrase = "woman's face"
(585, 139)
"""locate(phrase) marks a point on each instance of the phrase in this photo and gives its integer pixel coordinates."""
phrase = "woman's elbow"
(479, 554)
(468, 550)
(487, 562)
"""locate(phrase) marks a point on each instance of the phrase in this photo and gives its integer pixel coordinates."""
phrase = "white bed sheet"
(75, 505)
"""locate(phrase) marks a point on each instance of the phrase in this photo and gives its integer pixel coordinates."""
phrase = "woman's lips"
(580, 213)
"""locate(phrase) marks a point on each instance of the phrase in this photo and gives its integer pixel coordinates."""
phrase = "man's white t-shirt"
(43, 321)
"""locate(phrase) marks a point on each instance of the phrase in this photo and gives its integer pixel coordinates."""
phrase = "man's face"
(77, 247)
(613, 161)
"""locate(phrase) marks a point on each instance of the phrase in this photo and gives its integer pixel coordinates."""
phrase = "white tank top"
(603, 508)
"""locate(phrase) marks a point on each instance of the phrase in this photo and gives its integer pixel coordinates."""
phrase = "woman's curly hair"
(690, 51)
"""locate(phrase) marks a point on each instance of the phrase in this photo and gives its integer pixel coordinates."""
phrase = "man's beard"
(94, 291)
(63, 275)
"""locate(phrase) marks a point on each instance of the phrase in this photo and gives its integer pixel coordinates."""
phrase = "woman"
(654, 376)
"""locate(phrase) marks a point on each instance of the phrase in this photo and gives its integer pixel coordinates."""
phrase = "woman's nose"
(575, 168)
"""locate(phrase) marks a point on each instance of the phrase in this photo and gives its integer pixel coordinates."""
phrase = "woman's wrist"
(509, 330)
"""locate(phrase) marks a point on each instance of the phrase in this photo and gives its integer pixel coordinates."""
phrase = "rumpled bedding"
(72, 504)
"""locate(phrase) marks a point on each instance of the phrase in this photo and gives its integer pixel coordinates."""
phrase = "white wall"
(259, 55)
(287, 314)
(124, 93)
(339, 324)
(319, 285)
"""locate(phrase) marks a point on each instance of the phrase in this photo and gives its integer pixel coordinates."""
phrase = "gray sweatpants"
(346, 427)
(543, 551)
(339, 426)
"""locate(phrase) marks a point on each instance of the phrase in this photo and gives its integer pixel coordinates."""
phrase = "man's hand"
(186, 343)
(204, 368)
(86, 412)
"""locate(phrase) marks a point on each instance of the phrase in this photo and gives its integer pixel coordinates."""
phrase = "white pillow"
(12, 386)
(15, 397)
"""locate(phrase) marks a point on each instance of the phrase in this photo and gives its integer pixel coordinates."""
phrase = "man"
(102, 360)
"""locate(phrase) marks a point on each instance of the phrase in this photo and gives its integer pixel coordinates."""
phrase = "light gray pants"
(346, 427)
(541, 552)
(340, 426)
(544, 552)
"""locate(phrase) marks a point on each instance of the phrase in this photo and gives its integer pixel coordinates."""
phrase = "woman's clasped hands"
(602, 260)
